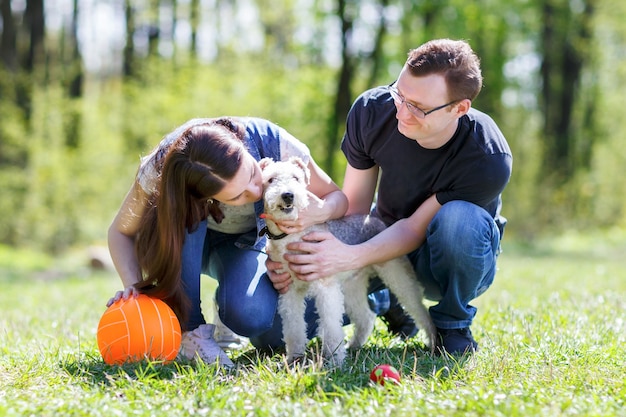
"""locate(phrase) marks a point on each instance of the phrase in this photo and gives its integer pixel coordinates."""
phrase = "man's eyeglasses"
(415, 111)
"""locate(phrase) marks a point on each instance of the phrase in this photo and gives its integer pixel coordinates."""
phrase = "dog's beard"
(282, 211)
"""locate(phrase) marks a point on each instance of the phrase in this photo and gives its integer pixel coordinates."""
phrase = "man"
(442, 168)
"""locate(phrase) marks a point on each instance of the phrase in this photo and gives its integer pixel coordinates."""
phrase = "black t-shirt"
(474, 165)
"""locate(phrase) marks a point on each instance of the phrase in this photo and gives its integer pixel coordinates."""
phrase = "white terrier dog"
(285, 195)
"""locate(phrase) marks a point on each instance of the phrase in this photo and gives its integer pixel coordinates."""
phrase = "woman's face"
(245, 187)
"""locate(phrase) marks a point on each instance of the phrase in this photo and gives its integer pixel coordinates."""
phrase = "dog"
(285, 194)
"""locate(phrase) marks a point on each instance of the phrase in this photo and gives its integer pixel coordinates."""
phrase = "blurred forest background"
(88, 86)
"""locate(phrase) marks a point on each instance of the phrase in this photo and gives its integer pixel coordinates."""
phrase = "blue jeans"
(456, 264)
(246, 299)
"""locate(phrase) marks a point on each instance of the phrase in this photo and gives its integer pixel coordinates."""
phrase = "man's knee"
(460, 223)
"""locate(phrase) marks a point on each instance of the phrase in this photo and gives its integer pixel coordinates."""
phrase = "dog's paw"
(296, 361)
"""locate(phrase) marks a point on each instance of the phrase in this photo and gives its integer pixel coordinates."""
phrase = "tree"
(35, 24)
(129, 64)
(565, 48)
(76, 75)
(343, 95)
(194, 19)
(154, 28)
(8, 42)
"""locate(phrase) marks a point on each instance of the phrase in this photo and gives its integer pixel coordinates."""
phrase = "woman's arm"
(326, 201)
(323, 187)
(121, 240)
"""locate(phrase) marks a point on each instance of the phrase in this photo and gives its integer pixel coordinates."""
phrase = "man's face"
(427, 93)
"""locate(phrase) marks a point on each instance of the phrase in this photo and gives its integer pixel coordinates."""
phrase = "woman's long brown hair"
(197, 166)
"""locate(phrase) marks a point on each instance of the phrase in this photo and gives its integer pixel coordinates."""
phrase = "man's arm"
(400, 238)
(325, 255)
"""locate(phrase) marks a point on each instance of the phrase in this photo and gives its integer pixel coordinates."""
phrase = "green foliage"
(551, 331)
(66, 164)
(70, 192)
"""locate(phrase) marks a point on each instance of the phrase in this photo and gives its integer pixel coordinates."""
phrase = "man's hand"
(280, 280)
(322, 255)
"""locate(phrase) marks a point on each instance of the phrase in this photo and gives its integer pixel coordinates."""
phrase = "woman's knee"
(245, 296)
(249, 316)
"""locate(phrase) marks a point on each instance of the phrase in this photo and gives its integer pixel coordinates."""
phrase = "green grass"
(552, 332)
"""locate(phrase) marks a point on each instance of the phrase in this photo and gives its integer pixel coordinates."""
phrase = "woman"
(195, 208)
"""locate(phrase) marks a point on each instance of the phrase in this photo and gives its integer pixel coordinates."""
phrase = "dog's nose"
(287, 197)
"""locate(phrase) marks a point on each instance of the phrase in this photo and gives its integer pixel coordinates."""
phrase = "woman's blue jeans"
(246, 299)
(456, 264)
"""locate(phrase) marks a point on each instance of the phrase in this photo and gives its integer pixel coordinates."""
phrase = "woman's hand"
(280, 280)
(314, 213)
(126, 294)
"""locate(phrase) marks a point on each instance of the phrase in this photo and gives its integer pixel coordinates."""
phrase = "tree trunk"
(343, 97)
(8, 43)
(565, 46)
(376, 57)
(154, 30)
(194, 21)
(35, 24)
(129, 48)
(77, 72)
(490, 44)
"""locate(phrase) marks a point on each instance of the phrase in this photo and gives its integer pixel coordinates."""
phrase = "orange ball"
(138, 328)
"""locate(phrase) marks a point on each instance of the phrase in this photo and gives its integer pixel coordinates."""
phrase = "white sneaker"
(226, 338)
(199, 344)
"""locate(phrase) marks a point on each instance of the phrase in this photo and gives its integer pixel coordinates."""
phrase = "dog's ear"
(297, 161)
(265, 162)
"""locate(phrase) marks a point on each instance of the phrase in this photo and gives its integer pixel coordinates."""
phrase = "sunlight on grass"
(552, 332)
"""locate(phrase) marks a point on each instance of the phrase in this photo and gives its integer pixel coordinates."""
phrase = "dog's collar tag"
(270, 235)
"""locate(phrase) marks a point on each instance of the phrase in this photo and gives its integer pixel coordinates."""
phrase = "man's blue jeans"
(457, 263)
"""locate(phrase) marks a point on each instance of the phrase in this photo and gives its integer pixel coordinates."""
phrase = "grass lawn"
(552, 335)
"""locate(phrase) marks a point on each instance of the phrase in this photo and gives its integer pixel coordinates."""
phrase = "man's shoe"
(398, 322)
(455, 341)
(199, 344)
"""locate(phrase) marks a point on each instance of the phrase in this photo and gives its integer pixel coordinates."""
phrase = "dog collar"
(270, 235)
